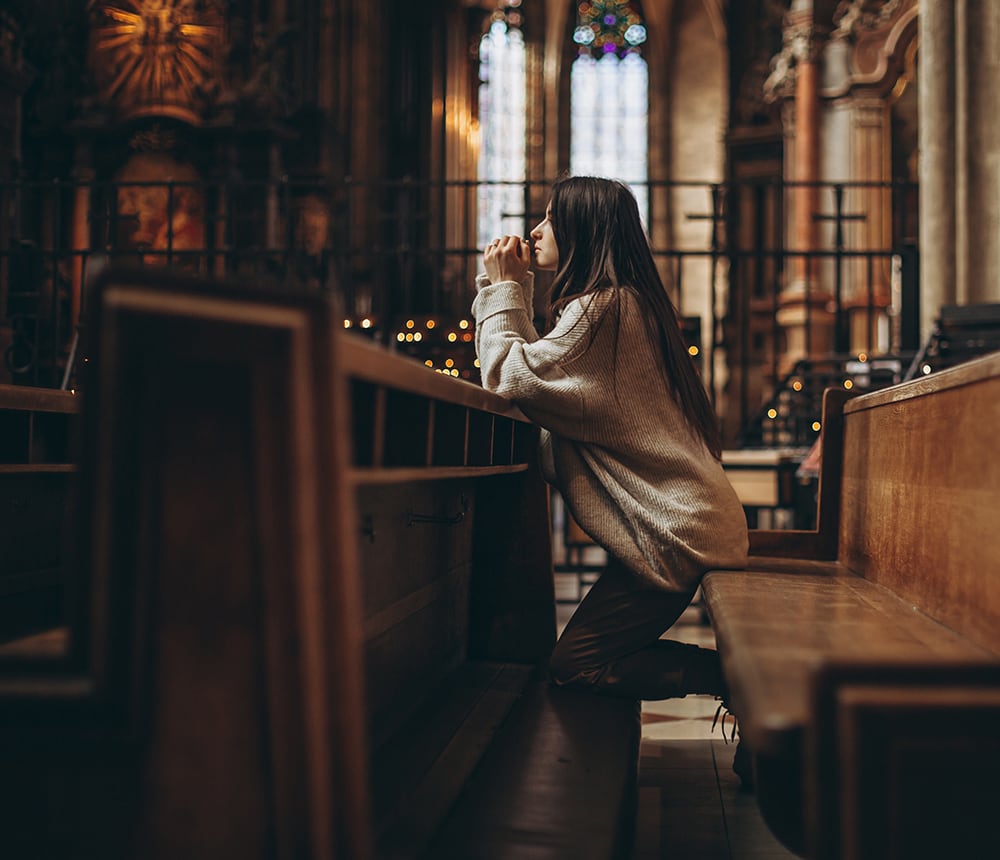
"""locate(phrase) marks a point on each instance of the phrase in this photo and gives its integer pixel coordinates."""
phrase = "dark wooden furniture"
(37, 468)
(317, 600)
(864, 657)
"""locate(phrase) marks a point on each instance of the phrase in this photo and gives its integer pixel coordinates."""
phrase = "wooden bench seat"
(863, 658)
(313, 607)
(778, 627)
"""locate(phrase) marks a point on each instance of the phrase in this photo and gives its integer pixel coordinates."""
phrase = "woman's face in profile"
(546, 251)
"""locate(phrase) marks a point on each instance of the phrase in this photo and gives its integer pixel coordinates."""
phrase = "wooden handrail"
(31, 399)
(361, 359)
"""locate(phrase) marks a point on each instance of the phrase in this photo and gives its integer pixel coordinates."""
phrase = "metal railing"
(392, 250)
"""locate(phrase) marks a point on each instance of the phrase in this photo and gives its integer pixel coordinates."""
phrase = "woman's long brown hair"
(602, 245)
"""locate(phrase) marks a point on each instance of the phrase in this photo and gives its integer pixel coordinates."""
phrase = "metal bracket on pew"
(432, 519)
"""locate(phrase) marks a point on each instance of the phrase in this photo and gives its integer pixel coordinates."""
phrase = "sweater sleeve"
(527, 290)
(535, 372)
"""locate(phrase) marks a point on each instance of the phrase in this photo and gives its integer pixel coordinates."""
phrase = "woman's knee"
(568, 666)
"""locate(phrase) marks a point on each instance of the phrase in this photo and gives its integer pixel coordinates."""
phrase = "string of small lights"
(445, 345)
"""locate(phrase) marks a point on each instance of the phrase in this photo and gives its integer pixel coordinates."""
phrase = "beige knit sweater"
(614, 442)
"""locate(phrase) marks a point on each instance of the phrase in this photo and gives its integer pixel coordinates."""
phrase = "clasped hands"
(507, 259)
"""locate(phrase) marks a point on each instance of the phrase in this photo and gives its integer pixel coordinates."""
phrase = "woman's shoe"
(702, 670)
(743, 766)
(743, 758)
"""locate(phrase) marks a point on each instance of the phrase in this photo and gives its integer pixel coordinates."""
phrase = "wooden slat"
(28, 399)
(37, 468)
(48, 645)
(364, 476)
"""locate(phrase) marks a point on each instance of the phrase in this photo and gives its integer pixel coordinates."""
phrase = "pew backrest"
(920, 491)
(863, 657)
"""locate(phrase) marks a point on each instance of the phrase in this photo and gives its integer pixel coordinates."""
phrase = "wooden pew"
(37, 467)
(863, 657)
(316, 600)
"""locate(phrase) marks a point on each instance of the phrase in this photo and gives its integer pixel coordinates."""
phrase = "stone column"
(977, 31)
(806, 145)
(959, 169)
(803, 311)
(866, 283)
(937, 160)
(556, 136)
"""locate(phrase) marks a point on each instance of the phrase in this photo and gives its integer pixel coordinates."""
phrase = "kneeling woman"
(629, 436)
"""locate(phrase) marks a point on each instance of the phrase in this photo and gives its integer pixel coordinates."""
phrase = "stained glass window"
(609, 97)
(502, 87)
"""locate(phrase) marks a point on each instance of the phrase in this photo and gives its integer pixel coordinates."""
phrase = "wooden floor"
(691, 806)
(690, 803)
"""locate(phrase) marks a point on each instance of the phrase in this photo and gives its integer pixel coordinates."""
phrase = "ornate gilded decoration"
(156, 57)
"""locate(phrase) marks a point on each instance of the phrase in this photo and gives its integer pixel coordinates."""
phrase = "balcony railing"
(403, 251)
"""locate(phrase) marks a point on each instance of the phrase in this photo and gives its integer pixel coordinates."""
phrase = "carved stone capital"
(800, 44)
(852, 16)
(804, 40)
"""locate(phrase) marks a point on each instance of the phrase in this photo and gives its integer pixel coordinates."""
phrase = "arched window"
(609, 97)
(502, 87)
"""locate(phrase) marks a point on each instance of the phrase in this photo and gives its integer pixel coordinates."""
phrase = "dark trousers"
(612, 643)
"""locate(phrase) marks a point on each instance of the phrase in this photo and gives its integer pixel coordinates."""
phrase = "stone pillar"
(977, 31)
(557, 25)
(959, 169)
(866, 282)
(803, 313)
(806, 196)
(937, 160)
(867, 65)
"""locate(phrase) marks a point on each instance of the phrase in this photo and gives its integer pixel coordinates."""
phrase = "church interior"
(278, 575)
